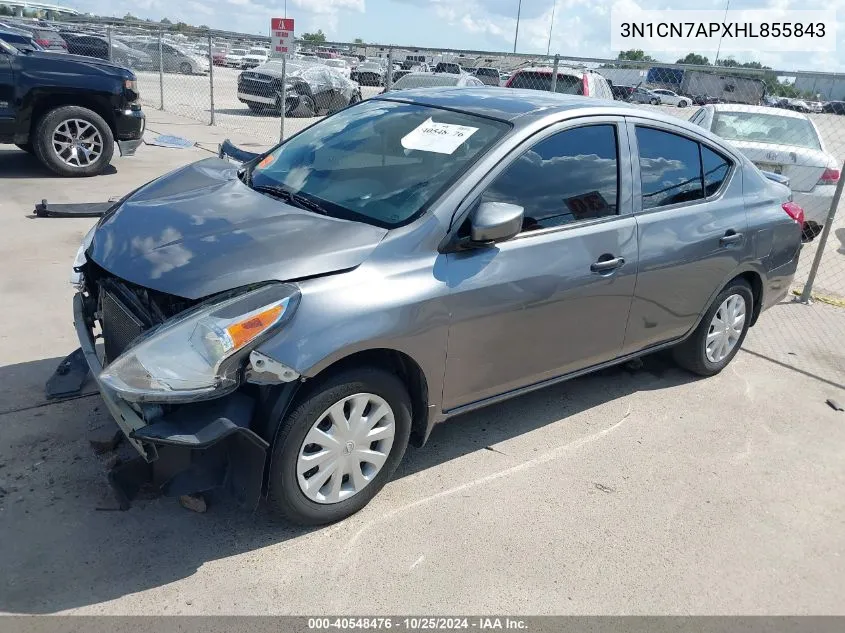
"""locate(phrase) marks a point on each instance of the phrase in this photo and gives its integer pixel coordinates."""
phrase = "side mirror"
(495, 222)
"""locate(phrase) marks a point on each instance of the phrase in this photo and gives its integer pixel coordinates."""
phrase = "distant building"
(830, 88)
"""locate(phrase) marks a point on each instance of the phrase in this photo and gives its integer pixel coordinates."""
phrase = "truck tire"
(73, 141)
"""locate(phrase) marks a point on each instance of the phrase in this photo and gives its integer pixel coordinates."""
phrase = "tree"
(130, 18)
(357, 40)
(694, 59)
(4, 10)
(166, 21)
(635, 55)
(314, 38)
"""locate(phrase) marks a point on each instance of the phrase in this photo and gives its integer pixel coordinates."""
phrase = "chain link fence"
(791, 124)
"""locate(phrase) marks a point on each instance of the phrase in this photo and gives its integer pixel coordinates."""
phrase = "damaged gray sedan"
(286, 326)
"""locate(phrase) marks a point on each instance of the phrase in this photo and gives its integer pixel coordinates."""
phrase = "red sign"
(281, 24)
(281, 35)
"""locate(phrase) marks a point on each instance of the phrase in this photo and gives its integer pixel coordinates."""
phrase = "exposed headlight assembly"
(198, 354)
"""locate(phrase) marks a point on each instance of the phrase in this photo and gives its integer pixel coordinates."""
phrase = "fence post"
(160, 72)
(388, 78)
(211, 76)
(828, 223)
(108, 32)
(553, 86)
(283, 100)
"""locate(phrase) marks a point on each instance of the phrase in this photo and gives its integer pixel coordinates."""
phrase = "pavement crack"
(49, 403)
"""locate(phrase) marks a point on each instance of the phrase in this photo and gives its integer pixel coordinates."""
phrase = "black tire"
(43, 135)
(356, 98)
(683, 103)
(691, 354)
(185, 68)
(305, 107)
(810, 231)
(654, 102)
(285, 497)
(27, 147)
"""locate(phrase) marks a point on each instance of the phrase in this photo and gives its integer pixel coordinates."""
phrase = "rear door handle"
(605, 265)
(731, 237)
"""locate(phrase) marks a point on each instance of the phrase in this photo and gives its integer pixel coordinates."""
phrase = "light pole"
(719, 47)
(516, 35)
(551, 27)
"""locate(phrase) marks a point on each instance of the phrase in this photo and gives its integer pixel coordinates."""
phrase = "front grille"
(120, 326)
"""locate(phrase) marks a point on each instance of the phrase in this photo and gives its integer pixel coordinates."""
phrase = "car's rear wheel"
(654, 102)
(74, 141)
(683, 103)
(720, 334)
(810, 231)
(339, 446)
(185, 68)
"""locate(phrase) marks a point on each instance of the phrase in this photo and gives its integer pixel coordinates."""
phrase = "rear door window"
(670, 168)
(567, 177)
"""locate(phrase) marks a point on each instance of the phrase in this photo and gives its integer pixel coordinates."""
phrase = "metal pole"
(108, 32)
(516, 35)
(160, 72)
(719, 46)
(811, 278)
(211, 76)
(553, 87)
(284, 90)
(551, 27)
(388, 77)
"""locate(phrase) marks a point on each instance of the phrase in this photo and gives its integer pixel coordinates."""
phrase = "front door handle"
(606, 265)
(730, 237)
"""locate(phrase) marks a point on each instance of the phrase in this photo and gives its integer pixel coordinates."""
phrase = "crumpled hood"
(200, 230)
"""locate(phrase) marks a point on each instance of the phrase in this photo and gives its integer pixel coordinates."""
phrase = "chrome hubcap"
(77, 143)
(725, 328)
(346, 448)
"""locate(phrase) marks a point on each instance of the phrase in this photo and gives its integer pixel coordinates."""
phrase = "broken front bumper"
(195, 446)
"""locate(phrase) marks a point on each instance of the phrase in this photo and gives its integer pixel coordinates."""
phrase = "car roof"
(521, 107)
(735, 107)
(561, 70)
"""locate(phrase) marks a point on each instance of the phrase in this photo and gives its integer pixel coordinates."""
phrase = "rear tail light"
(585, 83)
(794, 211)
(509, 81)
(829, 177)
(44, 43)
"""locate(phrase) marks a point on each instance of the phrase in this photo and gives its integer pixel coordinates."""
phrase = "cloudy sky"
(581, 27)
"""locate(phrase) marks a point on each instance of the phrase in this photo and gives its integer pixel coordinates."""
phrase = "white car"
(255, 57)
(783, 142)
(339, 65)
(672, 98)
(235, 57)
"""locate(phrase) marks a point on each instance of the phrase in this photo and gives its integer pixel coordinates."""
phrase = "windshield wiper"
(291, 198)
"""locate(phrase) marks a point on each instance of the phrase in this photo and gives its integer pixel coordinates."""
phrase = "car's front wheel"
(339, 446)
(683, 103)
(720, 334)
(74, 141)
(185, 68)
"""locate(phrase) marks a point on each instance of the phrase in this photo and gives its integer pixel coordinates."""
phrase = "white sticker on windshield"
(441, 138)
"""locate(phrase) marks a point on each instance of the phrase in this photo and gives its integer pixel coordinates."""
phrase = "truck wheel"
(74, 141)
(339, 446)
(27, 147)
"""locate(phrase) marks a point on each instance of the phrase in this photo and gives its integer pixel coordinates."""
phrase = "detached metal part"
(229, 151)
(263, 370)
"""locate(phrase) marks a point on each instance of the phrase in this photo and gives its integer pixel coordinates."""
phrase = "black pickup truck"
(68, 110)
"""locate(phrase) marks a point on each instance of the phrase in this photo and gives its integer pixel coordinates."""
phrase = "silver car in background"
(782, 142)
(418, 255)
(434, 80)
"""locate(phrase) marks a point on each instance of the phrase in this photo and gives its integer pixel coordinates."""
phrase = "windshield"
(380, 162)
(258, 51)
(765, 128)
(425, 81)
(566, 84)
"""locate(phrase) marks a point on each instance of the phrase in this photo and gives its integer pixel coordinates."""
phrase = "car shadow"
(52, 488)
(17, 164)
